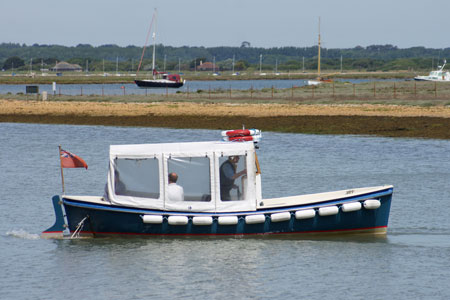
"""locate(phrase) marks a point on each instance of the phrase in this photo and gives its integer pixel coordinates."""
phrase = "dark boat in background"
(160, 79)
(165, 80)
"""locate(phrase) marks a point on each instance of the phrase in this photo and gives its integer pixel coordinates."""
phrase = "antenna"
(154, 47)
(260, 63)
(318, 55)
(233, 65)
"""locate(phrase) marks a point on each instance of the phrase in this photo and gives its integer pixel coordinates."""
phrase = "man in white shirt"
(174, 191)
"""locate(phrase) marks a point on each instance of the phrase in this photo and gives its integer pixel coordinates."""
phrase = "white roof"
(145, 150)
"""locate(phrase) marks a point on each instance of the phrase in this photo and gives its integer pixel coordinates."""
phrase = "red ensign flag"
(70, 160)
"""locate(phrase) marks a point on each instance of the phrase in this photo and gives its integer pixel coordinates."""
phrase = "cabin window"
(193, 176)
(233, 177)
(137, 177)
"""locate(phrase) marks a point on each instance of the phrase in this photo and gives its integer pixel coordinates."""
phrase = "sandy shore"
(383, 120)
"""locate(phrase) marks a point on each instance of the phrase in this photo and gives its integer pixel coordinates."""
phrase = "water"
(411, 262)
(118, 89)
(191, 86)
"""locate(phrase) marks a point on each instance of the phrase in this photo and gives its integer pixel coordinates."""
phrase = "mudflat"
(364, 119)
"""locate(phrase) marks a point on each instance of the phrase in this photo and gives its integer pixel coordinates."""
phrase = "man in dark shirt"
(228, 175)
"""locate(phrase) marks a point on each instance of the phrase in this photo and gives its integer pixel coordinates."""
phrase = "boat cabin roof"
(187, 148)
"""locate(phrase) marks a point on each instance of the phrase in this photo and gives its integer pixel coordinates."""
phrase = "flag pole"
(61, 167)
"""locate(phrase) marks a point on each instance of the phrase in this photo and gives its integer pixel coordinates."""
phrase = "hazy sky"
(264, 23)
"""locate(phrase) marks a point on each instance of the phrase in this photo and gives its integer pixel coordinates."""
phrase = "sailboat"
(319, 79)
(160, 79)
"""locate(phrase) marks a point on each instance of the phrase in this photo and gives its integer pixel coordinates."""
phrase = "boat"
(159, 79)
(139, 201)
(319, 78)
(439, 75)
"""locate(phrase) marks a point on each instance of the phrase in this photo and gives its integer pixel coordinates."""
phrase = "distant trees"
(373, 57)
(13, 62)
(241, 65)
(196, 62)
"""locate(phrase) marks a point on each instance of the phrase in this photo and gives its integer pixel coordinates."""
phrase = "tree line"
(113, 57)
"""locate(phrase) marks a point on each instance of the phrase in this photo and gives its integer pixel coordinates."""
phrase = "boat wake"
(421, 237)
(22, 234)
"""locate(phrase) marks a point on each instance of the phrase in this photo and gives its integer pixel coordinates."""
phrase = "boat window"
(137, 177)
(233, 177)
(193, 176)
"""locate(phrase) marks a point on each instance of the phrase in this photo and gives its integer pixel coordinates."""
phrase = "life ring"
(241, 132)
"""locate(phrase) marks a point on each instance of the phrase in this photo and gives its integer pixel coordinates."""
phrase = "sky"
(210, 23)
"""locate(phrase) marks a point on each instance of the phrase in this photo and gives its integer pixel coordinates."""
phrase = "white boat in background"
(313, 82)
(438, 75)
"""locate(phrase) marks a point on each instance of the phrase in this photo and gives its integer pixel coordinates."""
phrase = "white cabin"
(138, 176)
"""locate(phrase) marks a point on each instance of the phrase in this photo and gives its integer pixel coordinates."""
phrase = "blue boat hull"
(107, 220)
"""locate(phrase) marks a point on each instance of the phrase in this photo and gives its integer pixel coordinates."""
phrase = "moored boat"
(217, 191)
(165, 81)
(439, 75)
(159, 79)
(319, 78)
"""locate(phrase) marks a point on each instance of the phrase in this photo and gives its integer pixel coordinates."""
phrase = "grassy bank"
(364, 119)
(338, 92)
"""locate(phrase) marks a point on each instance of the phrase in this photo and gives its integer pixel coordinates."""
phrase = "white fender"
(280, 217)
(305, 214)
(255, 219)
(328, 211)
(178, 220)
(152, 219)
(349, 207)
(202, 220)
(372, 204)
(228, 220)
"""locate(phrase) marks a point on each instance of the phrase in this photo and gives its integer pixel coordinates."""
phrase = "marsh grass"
(423, 94)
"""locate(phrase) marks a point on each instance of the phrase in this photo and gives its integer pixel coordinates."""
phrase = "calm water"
(412, 262)
(192, 86)
(116, 89)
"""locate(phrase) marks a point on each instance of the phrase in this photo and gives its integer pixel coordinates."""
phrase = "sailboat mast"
(146, 41)
(318, 55)
(154, 50)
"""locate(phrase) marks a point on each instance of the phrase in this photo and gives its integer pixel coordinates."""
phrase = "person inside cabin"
(227, 176)
(174, 191)
(119, 186)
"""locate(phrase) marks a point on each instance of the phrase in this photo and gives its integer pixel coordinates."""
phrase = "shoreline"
(357, 119)
(99, 78)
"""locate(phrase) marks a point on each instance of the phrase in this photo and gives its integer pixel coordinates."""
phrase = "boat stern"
(57, 230)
